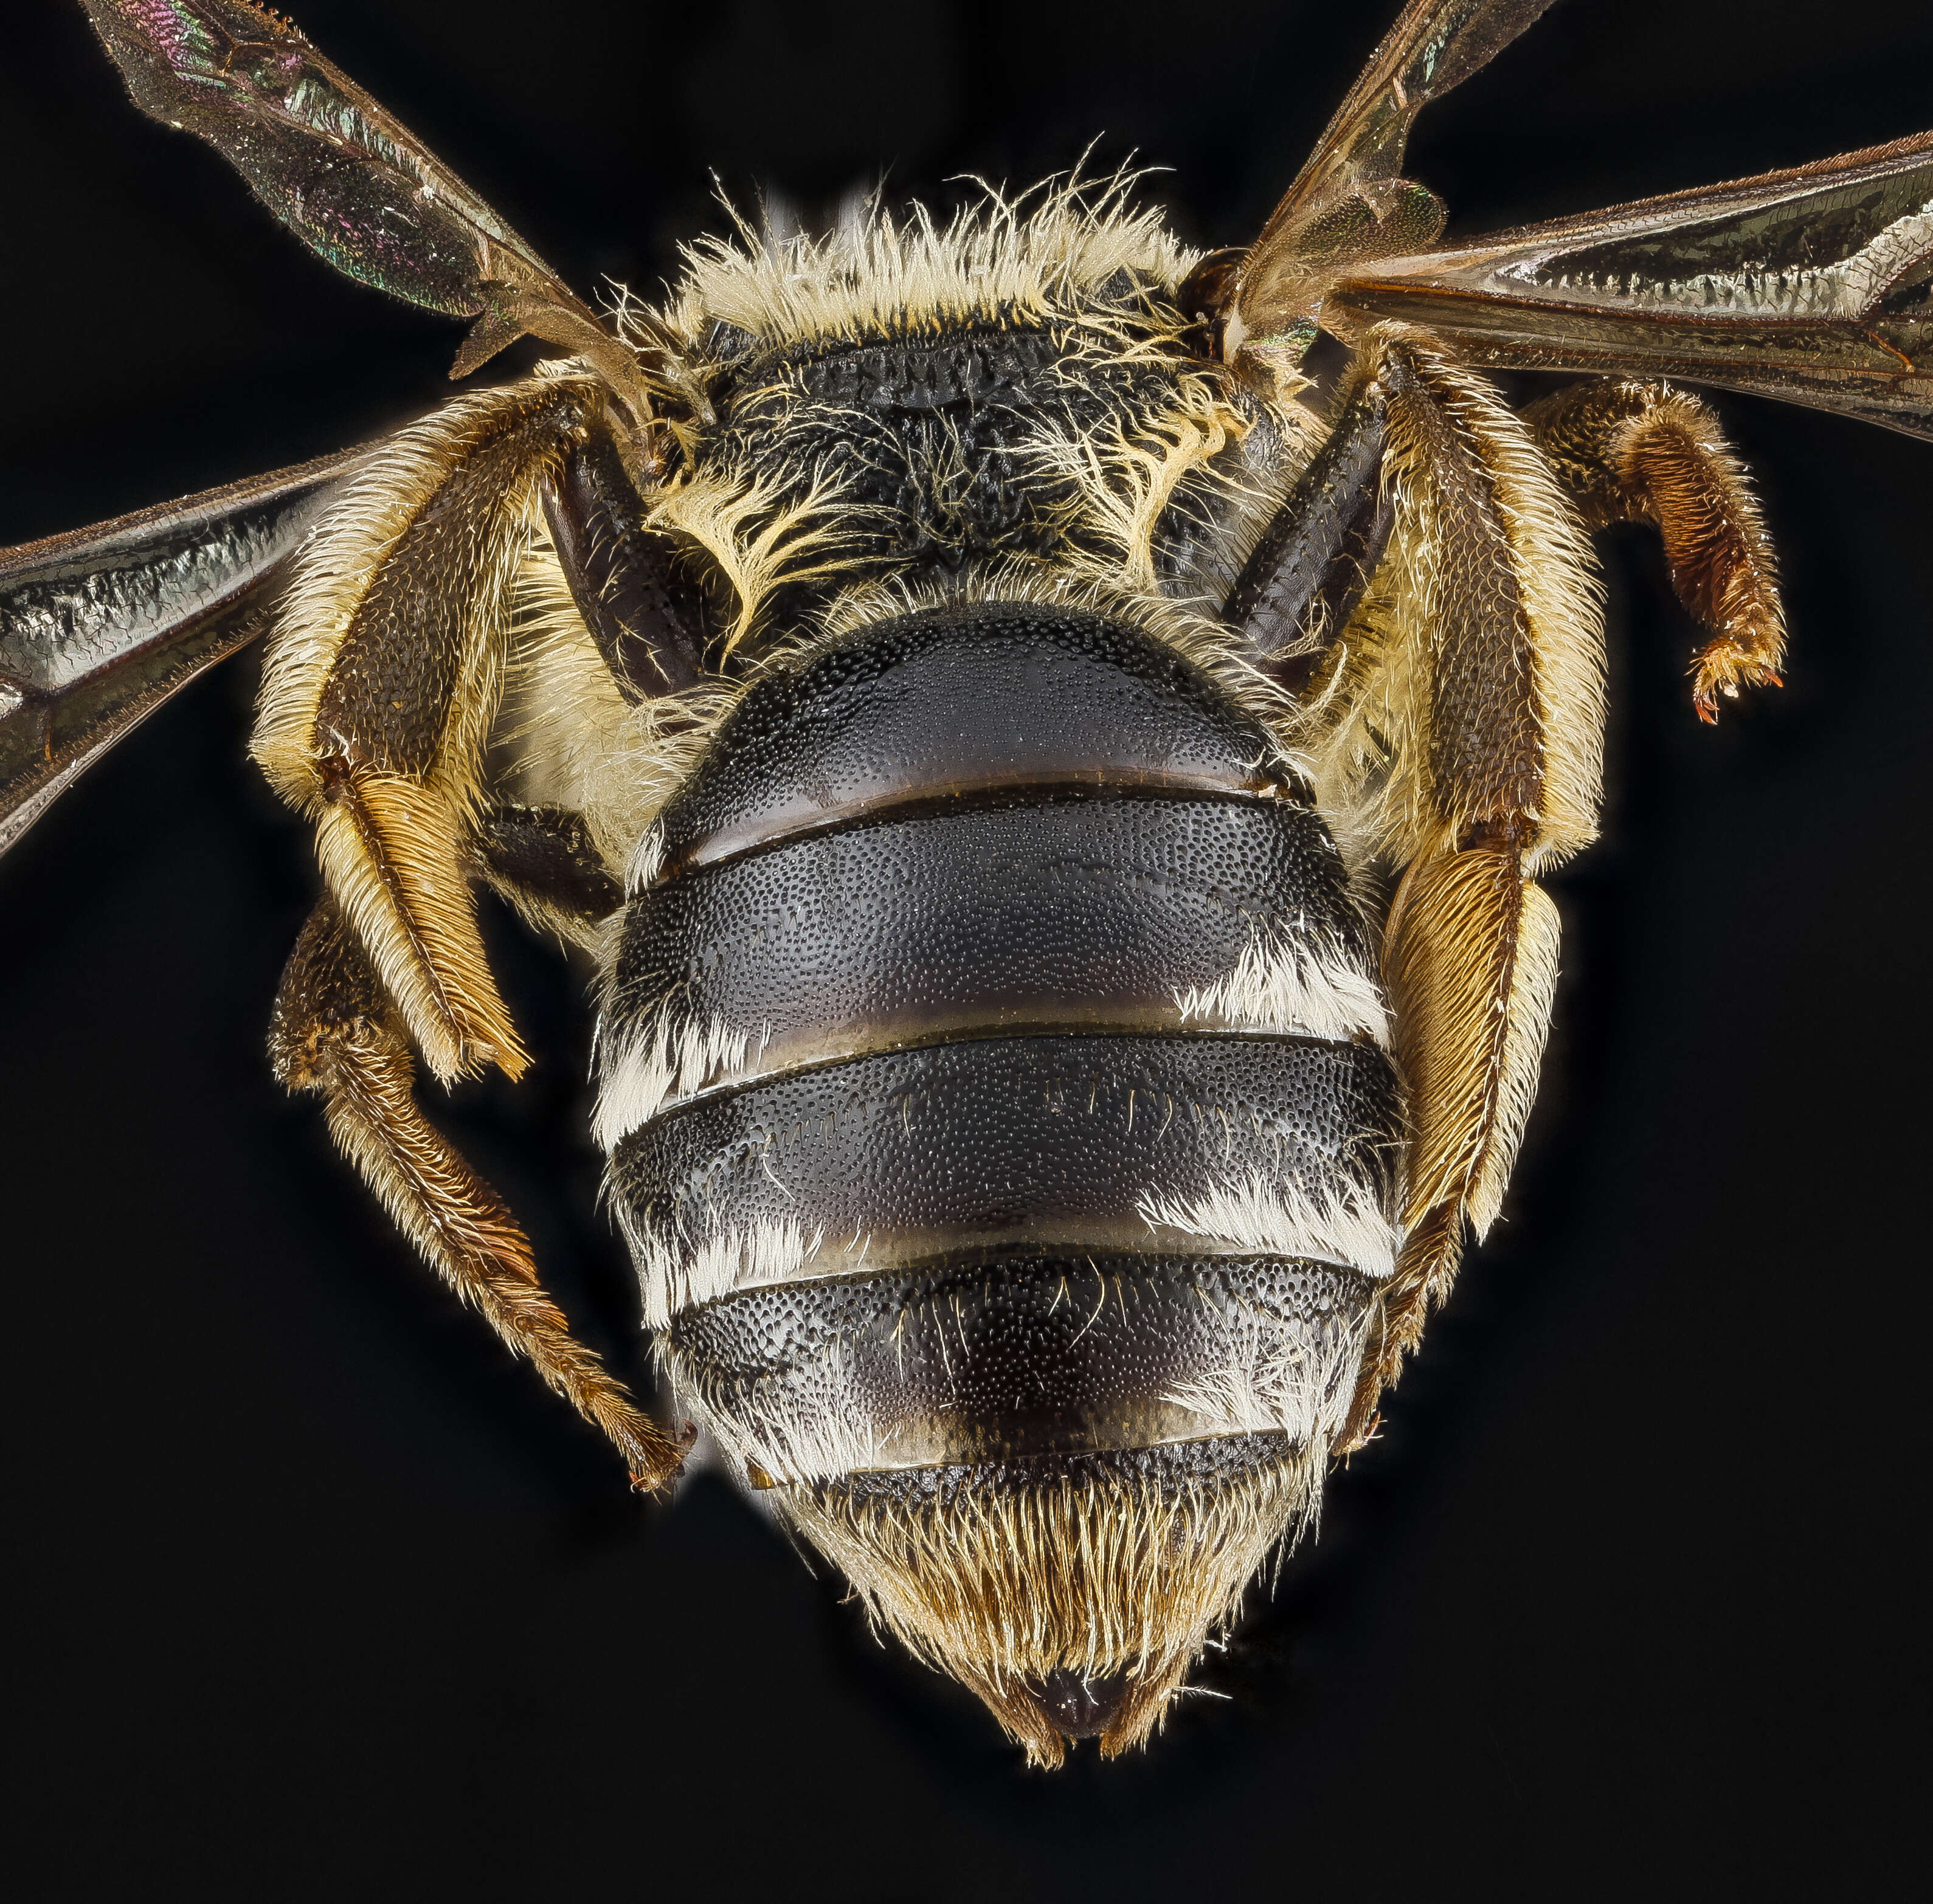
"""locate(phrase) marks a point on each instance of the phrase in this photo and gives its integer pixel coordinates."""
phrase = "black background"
(315, 1595)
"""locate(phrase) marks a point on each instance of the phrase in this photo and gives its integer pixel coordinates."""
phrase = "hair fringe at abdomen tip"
(999, 1586)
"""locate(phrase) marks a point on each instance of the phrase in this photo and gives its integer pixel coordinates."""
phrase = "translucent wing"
(355, 186)
(1815, 285)
(1348, 203)
(98, 627)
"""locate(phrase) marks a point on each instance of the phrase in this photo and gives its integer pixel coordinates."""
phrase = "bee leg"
(1489, 695)
(647, 622)
(1304, 577)
(543, 861)
(336, 1031)
(1630, 452)
(384, 673)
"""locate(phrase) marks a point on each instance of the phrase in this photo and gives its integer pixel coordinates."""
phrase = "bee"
(1057, 810)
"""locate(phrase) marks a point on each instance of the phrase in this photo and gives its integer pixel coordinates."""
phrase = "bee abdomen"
(989, 948)
(1058, 1142)
(1019, 1356)
(962, 703)
(1100, 912)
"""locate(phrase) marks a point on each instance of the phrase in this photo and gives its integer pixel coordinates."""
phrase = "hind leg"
(1462, 736)
(337, 1032)
(381, 689)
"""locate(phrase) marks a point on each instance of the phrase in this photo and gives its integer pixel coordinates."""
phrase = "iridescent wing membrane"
(1815, 284)
(1347, 204)
(100, 626)
(364, 193)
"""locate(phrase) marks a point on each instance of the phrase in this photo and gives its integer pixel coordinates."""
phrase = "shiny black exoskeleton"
(953, 881)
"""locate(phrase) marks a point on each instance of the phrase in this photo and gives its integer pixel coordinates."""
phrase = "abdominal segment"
(994, 1069)
(1022, 1356)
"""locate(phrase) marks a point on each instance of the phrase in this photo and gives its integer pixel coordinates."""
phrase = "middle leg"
(1630, 452)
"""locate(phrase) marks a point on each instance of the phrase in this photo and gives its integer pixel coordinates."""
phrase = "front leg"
(336, 1032)
(1644, 452)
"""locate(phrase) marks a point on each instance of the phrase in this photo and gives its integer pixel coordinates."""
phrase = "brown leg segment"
(337, 1032)
(1644, 452)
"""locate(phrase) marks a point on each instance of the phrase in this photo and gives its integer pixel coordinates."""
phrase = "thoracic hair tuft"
(1030, 258)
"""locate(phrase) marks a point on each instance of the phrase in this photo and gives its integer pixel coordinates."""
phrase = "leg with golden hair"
(381, 685)
(336, 1031)
(1478, 673)
(1630, 452)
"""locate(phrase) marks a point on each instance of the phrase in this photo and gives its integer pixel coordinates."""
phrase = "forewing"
(98, 627)
(1347, 202)
(355, 186)
(1815, 285)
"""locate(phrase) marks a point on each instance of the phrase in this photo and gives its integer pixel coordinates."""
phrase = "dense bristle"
(1100, 1565)
(1028, 256)
(1371, 734)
